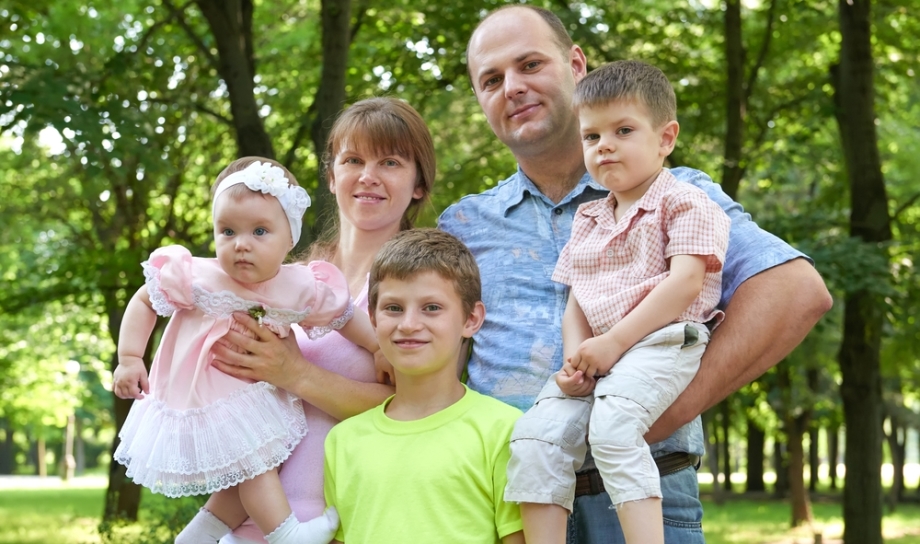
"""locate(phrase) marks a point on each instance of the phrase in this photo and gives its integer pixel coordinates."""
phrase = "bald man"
(523, 67)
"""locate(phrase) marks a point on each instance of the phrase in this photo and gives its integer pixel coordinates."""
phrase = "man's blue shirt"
(516, 234)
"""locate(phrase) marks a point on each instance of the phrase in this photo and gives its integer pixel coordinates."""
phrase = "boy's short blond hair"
(416, 251)
(629, 79)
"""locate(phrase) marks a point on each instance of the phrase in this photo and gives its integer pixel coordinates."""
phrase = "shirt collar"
(649, 201)
(519, 185)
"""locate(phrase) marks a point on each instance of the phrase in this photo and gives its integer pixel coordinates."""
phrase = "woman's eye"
(352, 160)
(391, 162)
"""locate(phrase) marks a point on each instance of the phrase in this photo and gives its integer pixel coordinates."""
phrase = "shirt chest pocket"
(644, 249)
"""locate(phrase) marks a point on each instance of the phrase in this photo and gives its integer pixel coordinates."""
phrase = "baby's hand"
(130, 378)
(574, 382)
(384, 369)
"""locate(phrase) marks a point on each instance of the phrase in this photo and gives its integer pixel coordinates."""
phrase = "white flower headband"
(269, 179)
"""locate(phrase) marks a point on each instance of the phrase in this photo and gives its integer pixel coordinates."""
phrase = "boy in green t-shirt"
(428, 465)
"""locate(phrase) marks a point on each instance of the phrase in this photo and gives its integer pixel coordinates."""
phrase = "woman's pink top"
(200, 430)
(302, 473)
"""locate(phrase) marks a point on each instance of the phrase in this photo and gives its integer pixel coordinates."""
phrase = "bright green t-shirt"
(438, 479)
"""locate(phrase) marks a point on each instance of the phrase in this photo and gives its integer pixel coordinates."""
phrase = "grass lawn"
(49, 515)
(750, 521)
(70, 514)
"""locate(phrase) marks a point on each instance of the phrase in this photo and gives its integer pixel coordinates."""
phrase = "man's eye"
(531, 65)
(491, 81)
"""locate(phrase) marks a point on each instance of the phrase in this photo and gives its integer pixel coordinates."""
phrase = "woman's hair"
(386, 126)
(240, 164)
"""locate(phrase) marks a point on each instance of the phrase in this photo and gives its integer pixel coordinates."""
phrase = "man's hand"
(130, 378)
(574, 382)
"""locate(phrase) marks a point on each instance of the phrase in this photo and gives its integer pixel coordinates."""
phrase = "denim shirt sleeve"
(751, 249)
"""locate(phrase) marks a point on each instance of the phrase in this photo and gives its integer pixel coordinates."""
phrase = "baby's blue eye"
(260, 231)
(227, 232)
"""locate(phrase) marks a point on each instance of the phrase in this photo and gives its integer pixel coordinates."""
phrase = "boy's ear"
(474, 320)
(669, 138)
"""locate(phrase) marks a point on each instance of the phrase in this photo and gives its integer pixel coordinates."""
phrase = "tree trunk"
(859, 355)
(123, 496)
(833, 454)
(725, 411)
(68, 459)
(712, 454)
(6, 447)
(40, 467)
(330, 95)
(755, 457)
(898, 447)
(801, 504)
(230, 22)
(734, 129)
(781, 467)
(814, 459)
(79, 449)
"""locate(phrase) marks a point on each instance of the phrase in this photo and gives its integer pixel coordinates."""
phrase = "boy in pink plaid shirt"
(644, 269)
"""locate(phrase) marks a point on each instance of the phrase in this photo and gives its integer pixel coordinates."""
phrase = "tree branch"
(179, 14)
(762, 54)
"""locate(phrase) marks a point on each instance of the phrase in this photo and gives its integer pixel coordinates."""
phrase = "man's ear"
(474, 320)
(668, 138)
(579, 63)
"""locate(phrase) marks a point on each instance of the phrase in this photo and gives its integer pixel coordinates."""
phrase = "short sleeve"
(696, 225)
(751, 250)
(332, 306)
(168, 273)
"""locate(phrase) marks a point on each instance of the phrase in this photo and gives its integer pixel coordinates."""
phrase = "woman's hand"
(265, 357)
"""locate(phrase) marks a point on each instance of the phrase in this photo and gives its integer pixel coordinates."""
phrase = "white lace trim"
(203, 450)
(158, 300)
(224, 303)
(314, 333)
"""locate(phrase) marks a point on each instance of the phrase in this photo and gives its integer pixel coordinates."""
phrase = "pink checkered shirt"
(611, 266)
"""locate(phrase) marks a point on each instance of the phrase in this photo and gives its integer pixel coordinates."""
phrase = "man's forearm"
(767, 317)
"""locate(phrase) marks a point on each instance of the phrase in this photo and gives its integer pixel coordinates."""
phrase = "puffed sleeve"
(332, 305)
(168, 273)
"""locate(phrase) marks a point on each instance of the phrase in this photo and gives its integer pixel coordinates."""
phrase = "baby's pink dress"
(302, 473)
(200, 430)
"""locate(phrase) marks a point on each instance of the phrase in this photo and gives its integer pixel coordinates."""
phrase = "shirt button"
(558, 211)
(609, 252)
